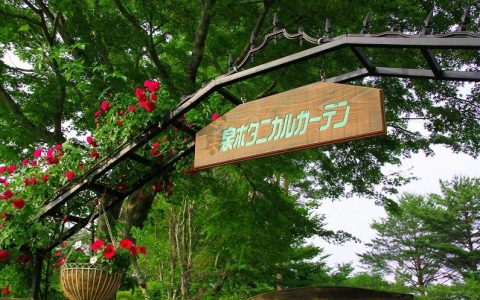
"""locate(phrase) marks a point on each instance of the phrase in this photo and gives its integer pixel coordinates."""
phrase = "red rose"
(215, 116)
(52, 160)
(4, 255)
(154, 151)
(119, 122)
(64, 244)
(11, 169)
(44, 178)
(33, 181)
(6, 291)
(157, 187)
(133, 251)
(70, 175)
(97, 245)
(126, 243)
(151, 85)
(153, 97)
(140, 94)
(33, 163)
(122, 187)
(7, 194)
(98, 113)
(18, 203)
(91, 141)
(25, 162)
(50, 152)
(109, 252)
(58, 147)
(141, 249)
(149, 106)
(58, 252)
(37, 153)
(132, 108)
(2, 169)
(94, 154)
(104, 105)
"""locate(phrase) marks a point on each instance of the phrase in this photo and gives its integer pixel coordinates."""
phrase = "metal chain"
(107, 223)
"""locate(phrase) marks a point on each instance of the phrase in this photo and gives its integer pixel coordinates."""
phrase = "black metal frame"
(357, 43)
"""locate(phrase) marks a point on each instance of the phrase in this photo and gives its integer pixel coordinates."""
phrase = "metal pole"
(37, 276)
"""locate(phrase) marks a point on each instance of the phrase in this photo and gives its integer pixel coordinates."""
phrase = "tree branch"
(32, 7)
(57, 20)
(130, 18)
(11, 106)
(57, 117)
(19, 16)
(199, 43)
(164, 74)
(258, 25)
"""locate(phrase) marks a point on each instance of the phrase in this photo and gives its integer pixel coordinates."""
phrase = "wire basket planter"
(81, 281)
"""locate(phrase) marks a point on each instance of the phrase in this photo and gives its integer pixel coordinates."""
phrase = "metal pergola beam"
(355, 42)
(432, 62)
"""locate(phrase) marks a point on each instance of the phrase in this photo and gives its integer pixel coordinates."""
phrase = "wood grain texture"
(309, 116)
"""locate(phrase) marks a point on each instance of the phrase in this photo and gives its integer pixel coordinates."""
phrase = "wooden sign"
(309, 116)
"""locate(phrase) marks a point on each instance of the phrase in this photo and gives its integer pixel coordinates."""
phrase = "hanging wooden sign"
(309, 116)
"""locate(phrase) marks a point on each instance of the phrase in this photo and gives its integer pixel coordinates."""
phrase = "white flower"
(77, 245)
(93, 260)
(86, 249)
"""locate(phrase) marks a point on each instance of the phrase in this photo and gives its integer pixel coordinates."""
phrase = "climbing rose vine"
(26, 185)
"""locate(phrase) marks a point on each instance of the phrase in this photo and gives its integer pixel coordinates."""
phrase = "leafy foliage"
(76, 51)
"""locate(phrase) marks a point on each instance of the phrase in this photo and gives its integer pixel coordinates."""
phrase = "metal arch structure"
(424, 42)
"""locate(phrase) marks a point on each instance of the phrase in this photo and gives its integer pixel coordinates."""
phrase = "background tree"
(455, 221)
(400, 248)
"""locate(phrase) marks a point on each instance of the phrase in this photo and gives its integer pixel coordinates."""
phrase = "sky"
(354, 215)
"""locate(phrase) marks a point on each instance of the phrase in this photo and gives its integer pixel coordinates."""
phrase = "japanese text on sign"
(283, 127)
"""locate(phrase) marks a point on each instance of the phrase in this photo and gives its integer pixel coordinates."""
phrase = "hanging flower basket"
(81, 281)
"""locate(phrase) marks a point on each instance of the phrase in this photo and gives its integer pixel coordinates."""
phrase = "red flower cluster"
(7, 194)
(109, 251)
(6, 291)
(4, 255)
(91, 141)
(157, 187)
(105, 106)
(151, 85)
(148, 101)
(18, 203)
(51, 158)
(155, 152)
(97, 245)
(70, 175)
